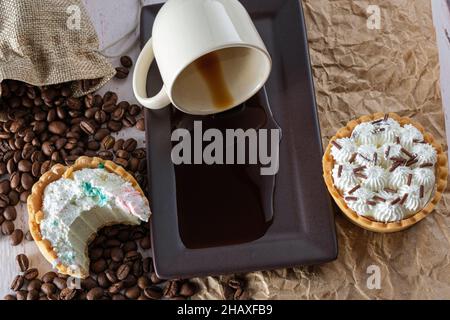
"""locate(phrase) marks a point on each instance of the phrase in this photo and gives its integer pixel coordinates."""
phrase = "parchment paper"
(359, 71)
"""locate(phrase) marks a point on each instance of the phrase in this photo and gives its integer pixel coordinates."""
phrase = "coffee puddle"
(210, 68)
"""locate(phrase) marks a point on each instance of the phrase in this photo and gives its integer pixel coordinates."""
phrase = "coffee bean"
(33, 295)
(99, 266)
(129, 281)
(154, 278)
(88, 283)
(123, 271)
(147, 265)
(153, 292)
(28, 236)
(48, 148)
(11, 166)
(17, 283)
(49, 276)
(95, 293)
(143, 282)
(7, 228)
(117, 254)
(34, 284)
(31, 274)
(106, 155)
(57, 127)
(27, 181)
(36, 169)
(129, 121)
(87, 127)
(118, 297)
(134, 110)
(5, 187)
(2, 219)
(145, 243)
(103, 280)
(109, 108)
(60, 283)
(133, 292)
(24, 166)
(132, 256)
(15, 179)
(133, 164)
(140, 124)
(121, 162)
(116, 288)
(22, 262)
(9, 297)
(2, 168)
(126, 61)
(10, 213)
(111, 275)
(118, 113)
(48, 288)
(114, 126)
(129, 145)
(67, 294)
(101, 116)
(122, 73)
(108, 142)
(129, 245)
(139, 153)
(101, 134)
(110, 97)
(95, 253)
(93, 145)
(123, 154)
(188, 289)
(171, 289)
(21, 295)
(74, 104)
(24, 196)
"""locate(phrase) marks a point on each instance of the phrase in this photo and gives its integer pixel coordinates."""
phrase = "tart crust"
(367, 223)
(34, 203)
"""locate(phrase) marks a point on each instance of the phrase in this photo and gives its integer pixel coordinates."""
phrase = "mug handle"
(141, 70)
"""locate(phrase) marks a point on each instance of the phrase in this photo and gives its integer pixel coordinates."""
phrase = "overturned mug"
(210, 56)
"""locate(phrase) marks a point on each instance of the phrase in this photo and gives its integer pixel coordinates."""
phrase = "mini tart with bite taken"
(385, 172)
(69, 204)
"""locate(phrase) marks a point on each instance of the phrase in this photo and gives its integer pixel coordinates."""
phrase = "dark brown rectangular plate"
(301, 230)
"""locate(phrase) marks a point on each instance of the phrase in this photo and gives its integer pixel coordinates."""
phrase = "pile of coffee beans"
(118, 271)
(42, 126)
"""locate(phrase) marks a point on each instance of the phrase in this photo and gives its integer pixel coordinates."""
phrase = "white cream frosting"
(346, 150)
(393, 174)
(75, 208)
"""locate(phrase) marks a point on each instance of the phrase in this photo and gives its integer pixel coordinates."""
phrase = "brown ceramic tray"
(299, 222)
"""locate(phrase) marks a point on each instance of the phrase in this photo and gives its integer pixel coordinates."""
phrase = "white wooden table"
(112, 19)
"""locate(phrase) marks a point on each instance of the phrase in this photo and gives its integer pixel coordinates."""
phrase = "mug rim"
(217, 48)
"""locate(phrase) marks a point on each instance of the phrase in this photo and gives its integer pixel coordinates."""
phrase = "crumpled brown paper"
(49, 42)
(359, 71)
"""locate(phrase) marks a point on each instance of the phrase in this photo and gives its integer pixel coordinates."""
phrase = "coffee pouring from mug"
(210, 56)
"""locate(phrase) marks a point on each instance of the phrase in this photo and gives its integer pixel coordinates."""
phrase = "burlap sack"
(48, 42)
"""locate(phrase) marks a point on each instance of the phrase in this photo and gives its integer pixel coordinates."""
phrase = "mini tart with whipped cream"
(69, 204)
(385, 172)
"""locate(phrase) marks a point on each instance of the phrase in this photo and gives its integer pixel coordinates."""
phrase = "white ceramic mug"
(186, 30)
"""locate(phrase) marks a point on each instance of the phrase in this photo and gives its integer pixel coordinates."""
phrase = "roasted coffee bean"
(28, 236)
(9, 297)
(24, 166)
(61, 113)
(122, 73)
(103, 280)
(133, 292)
(129, 246)
(133, 164)
(111, 275)
(52, 297)
(106, 155)
(17, 283)
(154, 278)
(116, 288)
(132, 256)
(24, 196)
(27, 151)
(137, 268)
(60, 143)
(129, 121)
(22, 262)
(87, 127)
(33, 295)
(7, 228)
(101, 134)
(95, 253)
(129, 145)
(93, 145)
(5, 187)
(57, 127)
(110, 97)
(171, 289)
(2, 168)
(153, 292)
(60, 283)
(90, 113)
(118, 297)
(114, 126)
(134, 110)
(129, 281)
(15, 182)
(123, 271)
(123, 154)
(36, 169)
(118, 113)
(101, 116)
(48, 288)
(67, 294)
(49, 276)
(109, 108)
(99, 266)
(27, 181)
(139, 153)
(108, 142)
(145, 243)
(147, 265)
(37, 156)
(34, 284)
(10, 213)
(48, 148)
(187, 289)
(74, 104)
(21, 295)
(95, 294)
(31, 274)
(126, 62)
(51, 116)
(143, 282)
(88, 283)
(121, 162)
(11, 166)
(118, 145)
(2, 219)
(117, 254)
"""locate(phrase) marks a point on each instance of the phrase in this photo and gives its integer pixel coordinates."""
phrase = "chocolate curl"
(405, 196)
(365, 158)
(411, 162)
(337, 145)
(386, 117)
(378, 198)
(340, 171)
(351, 198)
(394, 166)
(422, 191)
(354, 189)
(361, 175)
(397, 139)
(390, 190)
(356, 170)
(375, 158)
(396, 201)
(426, 165)
(371, 203)
(377, 121)
(386, 154)
(353, 157)
(410, 176)
(409, 154)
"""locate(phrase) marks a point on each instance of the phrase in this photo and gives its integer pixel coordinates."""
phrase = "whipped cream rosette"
(69, 204)
(385, 172)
